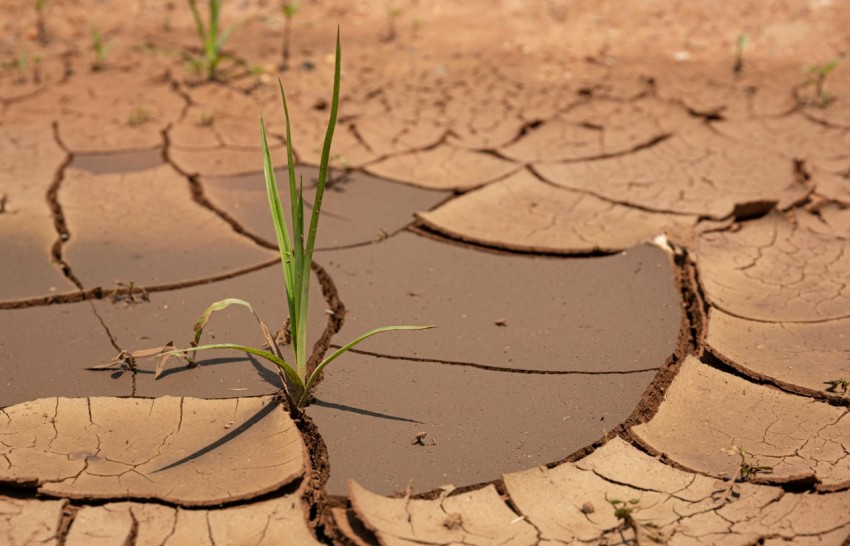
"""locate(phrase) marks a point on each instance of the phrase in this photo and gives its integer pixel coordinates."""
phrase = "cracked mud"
(636, 259)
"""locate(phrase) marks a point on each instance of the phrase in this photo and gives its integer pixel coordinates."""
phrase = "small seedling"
(747, 470)
(296, 257)
(817, 79)
(206, 119)
(625, 512)
(744, 472)
(211, 35)
(40, 24)
(21, 64)
(101, 49)
(139, 116)
(739, 53)
(837, 385)
(129, 293)
(289, 9)
(393, 13)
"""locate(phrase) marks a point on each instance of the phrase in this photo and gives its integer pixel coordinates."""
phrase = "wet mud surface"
(636, 259)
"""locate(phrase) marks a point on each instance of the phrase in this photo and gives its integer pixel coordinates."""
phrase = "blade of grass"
(281, 363)
(346, 347)
(225, 303)
(297, 210)
(281, 231)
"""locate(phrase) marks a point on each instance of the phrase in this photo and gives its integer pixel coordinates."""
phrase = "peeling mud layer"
(632, 240)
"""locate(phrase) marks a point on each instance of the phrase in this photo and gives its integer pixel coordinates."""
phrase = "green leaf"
(281, 231)
(225, 303)
(345, 348)
(287, 369)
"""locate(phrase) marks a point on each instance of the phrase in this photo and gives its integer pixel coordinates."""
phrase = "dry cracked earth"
(636, 257)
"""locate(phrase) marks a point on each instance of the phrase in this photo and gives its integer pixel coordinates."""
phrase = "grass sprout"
(40, 23)
(211, 34)
(624, 511)
(817, 80)
(139, 116)
(296, 257)
(101, 49)
(738, 67)
(289, 9)
(837, 385)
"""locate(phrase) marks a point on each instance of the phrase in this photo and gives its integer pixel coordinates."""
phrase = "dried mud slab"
(222, 161)
(571, 504)
(356, 209)
(697, 172)
(477, 423)
(593, 129)
(171, 316)
(800, 357)
(261, 523)
(797, 137)
(713, 90)
(200, 453)
(143, 227)
(444, 168)
(832, 186)
(478, 517)
(613, 314)
(44, 350)
(218, 116)
(706, 412)
(97, 115)
(24, 522)
(523, 213)
(30, 159)
(777, 269)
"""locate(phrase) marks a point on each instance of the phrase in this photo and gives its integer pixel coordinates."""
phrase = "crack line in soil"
(494, 368)
(52, 197)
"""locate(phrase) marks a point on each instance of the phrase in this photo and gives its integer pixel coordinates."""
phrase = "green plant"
(101, 49)
(296, 257)
(747, 470)
(211, 35)
(625, 512)
(817, 79)
(739, 53)
(836, 384)
(21, 65)
(40, 24)
(393, 13)
(289, 9)
(139, 116)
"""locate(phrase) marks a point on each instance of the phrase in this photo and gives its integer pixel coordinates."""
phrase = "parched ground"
(633, 242)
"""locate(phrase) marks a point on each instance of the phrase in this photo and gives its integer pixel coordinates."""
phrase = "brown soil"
(627, 247)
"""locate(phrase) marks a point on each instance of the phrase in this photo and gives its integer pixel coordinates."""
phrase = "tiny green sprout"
(289, 9)
(296, 258)
(739, 53)
(211, 35)
(817, 79)
(625, 512)
(836, 384)
(21, 64)
(139, 116)
(40, 24)
(206, 119)
(747, 470)
(101, 49)
(393, 13)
